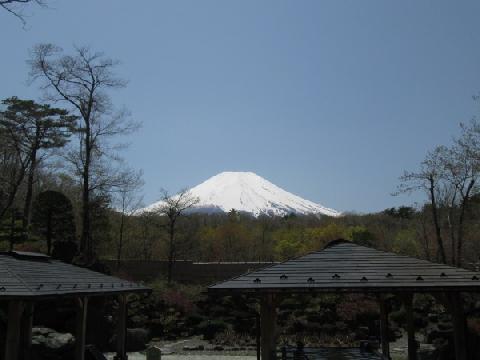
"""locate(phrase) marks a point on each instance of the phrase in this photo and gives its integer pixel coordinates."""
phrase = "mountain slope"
(248, 192)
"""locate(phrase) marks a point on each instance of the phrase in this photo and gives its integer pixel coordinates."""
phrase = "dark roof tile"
(376, 270)
(33, 275)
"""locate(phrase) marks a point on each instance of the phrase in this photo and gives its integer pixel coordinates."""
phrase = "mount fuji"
(250, 193)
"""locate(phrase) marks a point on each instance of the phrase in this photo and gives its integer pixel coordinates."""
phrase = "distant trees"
(172, 208)
(82, 80)
(127, 200)
(429, 179)
(449, 176)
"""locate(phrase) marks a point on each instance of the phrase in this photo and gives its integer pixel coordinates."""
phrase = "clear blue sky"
(330, 100)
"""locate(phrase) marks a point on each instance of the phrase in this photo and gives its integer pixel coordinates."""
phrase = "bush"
(180, 296)
(210, 328)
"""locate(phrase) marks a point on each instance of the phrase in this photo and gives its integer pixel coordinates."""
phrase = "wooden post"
(121, 328)
(81, 328)
(268, 319)
(26, 331)
(384, 328)
(258, 335)
(459, 325)
(15, 310)
(412, 344)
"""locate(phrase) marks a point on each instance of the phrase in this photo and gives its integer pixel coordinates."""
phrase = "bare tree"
(450, 178)
(16, 7)
(462, 168)
(147, 221)
(173, 207)
(82, 81)
(127, 200)
(429, 179)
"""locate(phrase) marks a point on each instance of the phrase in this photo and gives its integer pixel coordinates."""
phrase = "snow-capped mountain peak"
(248, 192)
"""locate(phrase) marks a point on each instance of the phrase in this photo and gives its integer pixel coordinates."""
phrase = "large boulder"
(52, 345)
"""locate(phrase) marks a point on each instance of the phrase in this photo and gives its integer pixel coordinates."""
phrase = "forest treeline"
(65, 189)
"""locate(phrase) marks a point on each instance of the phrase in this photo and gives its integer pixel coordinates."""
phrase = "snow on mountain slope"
(248, 192)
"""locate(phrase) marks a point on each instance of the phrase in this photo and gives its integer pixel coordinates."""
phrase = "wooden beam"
(459, 325)
(268, 320)
(412, 343)
(26, 331)
(81, 328)
(121, 330)
(15, 310)
(384, 327)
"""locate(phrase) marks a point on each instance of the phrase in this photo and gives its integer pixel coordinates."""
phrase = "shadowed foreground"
(312, 354)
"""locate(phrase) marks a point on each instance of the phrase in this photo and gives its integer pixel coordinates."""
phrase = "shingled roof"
(27, 275)
(343, 266)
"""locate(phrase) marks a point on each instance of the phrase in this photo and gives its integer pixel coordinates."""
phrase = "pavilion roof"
(32, 275)
(343, 266)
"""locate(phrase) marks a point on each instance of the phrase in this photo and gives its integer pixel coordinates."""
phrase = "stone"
(41, 331)
(49, 344)
(193, 348)
(154, 353)
(58, 341)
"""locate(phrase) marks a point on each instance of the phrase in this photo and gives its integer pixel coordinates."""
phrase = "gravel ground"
(138, 356)
(176, 351)
(207, 357)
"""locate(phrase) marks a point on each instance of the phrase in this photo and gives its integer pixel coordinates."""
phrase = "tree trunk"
(12, 230)
(171, 252)
(452, 236)
(441, 249)
(29, 195)
(12, 193)
(85, 240)
(120, 239)
(460, 233)
(425, 240)
(49, 232)
(461, 219)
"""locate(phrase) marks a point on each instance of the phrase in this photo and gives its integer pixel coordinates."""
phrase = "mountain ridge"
(250, 193)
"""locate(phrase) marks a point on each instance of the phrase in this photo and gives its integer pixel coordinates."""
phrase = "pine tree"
(34, 128)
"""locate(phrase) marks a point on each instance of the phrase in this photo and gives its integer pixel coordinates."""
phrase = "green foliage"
(11, 229)
(290, 243)
(360, 235)
(405, 243)
(180, 296)
(40, 126)
(318, 237)
(210, 328)
(402, 212)
(53, 222)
